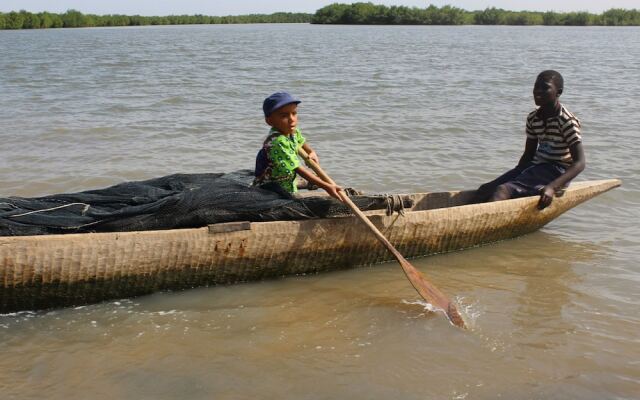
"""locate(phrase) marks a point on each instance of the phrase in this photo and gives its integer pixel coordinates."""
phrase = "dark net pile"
(169, 202)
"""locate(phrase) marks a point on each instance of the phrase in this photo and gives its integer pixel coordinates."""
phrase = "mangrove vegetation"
(337, 13)
(371, 14)
(76, 19)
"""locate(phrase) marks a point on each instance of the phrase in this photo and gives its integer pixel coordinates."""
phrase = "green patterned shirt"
(282, 151)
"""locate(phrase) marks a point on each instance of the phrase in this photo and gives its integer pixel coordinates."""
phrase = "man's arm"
(579, 163)
(530, 148)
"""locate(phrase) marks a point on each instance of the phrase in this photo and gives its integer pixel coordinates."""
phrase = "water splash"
(470, 312)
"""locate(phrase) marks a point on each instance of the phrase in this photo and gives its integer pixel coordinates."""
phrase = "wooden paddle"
(428, 291)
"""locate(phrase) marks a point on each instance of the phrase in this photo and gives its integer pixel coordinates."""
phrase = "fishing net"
(169, 202)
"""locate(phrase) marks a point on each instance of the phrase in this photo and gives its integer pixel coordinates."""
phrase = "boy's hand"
(546, 197)
(332, 190)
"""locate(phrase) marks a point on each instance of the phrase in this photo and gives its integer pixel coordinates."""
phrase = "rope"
(84, 210)
(394, 204)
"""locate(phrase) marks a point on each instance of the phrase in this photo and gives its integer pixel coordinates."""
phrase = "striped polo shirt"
(555, 135)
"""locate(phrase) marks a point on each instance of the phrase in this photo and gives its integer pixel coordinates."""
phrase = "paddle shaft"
(427, 290)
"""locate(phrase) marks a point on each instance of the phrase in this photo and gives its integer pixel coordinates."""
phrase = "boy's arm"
(312, 154)
(313, 178)
(579, 163)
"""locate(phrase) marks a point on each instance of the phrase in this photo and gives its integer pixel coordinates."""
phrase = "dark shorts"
(522, 181)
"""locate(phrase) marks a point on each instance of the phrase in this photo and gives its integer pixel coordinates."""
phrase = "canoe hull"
(39, 272)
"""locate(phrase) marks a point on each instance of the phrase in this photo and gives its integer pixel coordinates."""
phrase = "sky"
(239, 7)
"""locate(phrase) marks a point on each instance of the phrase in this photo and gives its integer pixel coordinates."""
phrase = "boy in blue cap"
(553, 153)
(277, 162)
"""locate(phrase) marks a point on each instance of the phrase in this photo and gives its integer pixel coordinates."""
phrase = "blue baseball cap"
(277, 100)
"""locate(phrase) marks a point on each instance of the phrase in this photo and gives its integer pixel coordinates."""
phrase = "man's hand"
(546, 197)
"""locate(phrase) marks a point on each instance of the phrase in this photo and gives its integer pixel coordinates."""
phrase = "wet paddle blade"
(432, 294)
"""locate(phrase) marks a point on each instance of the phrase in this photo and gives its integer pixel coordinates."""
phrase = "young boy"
(277, 163)
(553, 153)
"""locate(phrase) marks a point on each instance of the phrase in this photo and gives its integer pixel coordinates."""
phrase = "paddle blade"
(455, 317)
(432, 294)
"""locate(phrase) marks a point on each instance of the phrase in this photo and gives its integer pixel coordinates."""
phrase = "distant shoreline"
(370, 14)
(334, 14)
(75, 19)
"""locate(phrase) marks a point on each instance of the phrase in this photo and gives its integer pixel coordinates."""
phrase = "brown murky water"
(553, 315)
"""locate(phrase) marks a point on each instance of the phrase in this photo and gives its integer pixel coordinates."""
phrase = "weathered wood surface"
(61, 270)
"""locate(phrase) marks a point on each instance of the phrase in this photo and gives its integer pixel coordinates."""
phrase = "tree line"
(337, 13)
(371, 14)
(75, 19)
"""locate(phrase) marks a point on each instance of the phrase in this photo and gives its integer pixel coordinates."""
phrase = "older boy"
(553, 153)
(277, 163)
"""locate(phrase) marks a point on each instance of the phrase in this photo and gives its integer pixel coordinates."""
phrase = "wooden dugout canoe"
(39, 272)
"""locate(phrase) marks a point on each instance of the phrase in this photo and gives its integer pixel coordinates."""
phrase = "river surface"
(554, 314)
